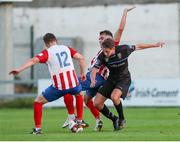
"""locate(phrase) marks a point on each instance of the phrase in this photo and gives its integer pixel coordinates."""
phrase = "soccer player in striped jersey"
(100, 77)
(63, 76)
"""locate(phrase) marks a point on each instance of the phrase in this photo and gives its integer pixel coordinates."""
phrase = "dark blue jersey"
(118, 62)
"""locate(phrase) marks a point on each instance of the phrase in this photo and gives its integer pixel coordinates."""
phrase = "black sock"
(119, 109)
(105, 111)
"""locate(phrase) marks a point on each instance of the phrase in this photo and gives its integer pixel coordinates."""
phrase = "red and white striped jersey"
(103, 70)
(60, 65)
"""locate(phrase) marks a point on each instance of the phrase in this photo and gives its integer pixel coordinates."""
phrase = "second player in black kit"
(119, 76)
(119, 80)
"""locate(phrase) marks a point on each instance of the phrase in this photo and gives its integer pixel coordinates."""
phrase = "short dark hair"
(49, 37)
(106, 32)
(108, 43)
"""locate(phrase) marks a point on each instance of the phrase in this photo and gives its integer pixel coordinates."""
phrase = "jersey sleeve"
(130, 49)
(99, 62)
(72, 51)
(42, 56)
(116, 42)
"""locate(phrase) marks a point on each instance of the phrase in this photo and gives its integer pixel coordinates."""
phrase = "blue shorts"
(86, 84)
(52, 93)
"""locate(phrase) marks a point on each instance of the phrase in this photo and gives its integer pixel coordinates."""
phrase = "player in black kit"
(119, 80)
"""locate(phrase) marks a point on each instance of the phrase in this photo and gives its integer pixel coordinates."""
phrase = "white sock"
(38, 129)
(97, 120)
(79, 121)
(71, 117)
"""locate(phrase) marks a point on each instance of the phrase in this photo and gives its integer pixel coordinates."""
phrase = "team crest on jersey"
(106, 59)
(119, 55)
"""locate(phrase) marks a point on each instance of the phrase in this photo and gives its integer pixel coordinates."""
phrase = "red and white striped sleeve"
(42, 56)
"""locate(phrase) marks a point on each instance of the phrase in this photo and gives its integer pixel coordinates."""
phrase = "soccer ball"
(74, 127)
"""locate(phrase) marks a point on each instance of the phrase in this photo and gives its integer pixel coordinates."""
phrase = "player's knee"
(37, 100)
(40, 99)
(85, 99)
(98, 105)
(115, 99)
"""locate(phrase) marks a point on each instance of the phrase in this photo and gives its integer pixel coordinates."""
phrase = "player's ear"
(47, 45)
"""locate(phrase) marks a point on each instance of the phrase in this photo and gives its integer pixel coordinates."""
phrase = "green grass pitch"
(142, 124)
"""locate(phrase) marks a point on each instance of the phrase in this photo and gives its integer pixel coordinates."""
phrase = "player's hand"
(14, 72)
(130, 8)
(159, 44)
(93, 83)
(83, 77)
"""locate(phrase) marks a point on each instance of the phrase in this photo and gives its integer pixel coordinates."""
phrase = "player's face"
(108, 52)
(102, 37)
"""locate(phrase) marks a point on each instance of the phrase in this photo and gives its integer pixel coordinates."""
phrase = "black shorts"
(111, 84)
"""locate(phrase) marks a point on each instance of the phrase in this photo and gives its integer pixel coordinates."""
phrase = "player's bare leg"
(99, 104)
(115, 97)
(89, 103)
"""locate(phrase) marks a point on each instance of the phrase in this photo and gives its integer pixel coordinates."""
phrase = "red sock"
(79, 106)
(37, 114)
(94, 110)
(68, 100)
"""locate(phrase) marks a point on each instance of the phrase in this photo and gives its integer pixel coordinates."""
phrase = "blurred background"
(77, 23)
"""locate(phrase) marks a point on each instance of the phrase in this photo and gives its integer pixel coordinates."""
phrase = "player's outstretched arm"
(93, 76)
(145, 46)
(82, 65)
(26, 65)
(118, 33)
